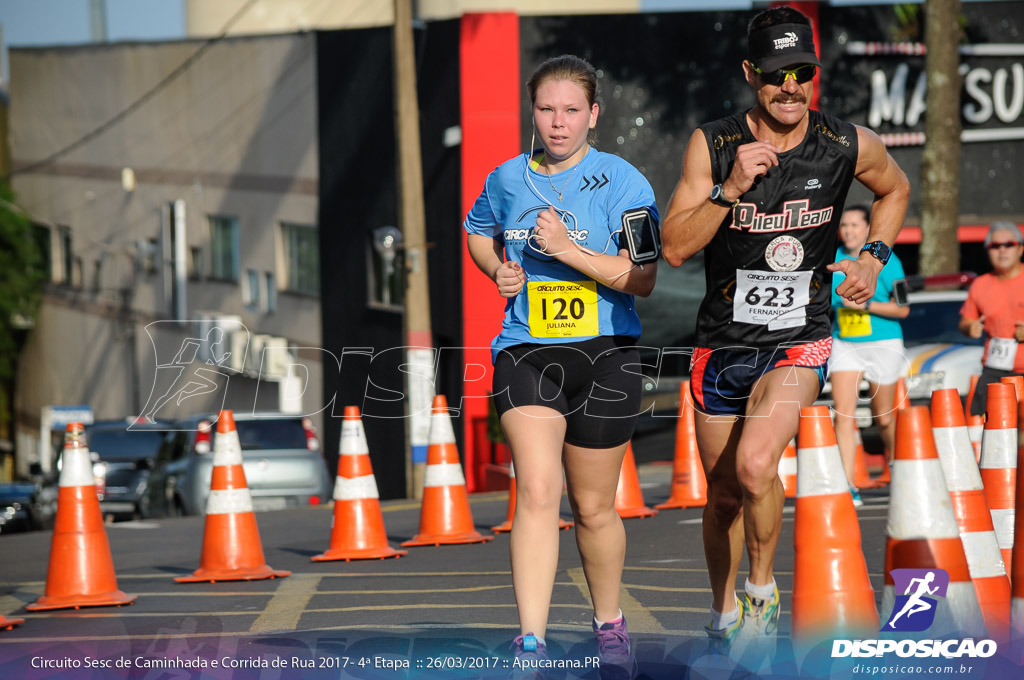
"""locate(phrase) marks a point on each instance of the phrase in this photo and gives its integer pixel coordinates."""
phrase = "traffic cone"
(922, 530)
(999, 461)
(445, 517)
(788, 469)
(506, 526)
(1017, 382)
(357, 529)
(7, 624)
(81, 569)
(963, 479)
(232, 550)
(970, 397)
(689, 486)
(901, 401)
(886, 476)
(861, 477)
(832, 593)
(1017, 569)
(629, 499)
(975, 428)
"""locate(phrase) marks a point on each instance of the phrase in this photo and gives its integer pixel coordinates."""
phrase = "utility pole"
(940, 161)
(419, 338)
(98, 20)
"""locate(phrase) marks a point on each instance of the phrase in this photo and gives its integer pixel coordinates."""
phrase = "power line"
(134, 106)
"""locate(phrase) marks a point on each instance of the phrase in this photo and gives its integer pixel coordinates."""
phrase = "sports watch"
(878, 249)
(718, 198)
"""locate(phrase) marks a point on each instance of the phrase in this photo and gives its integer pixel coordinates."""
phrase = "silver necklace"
(564, 186)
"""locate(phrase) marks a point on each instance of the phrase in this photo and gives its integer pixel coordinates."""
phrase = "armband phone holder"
(643, 238)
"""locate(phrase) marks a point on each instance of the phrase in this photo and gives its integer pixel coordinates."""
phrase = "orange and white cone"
(232, 550)
(1017, 570)
(7, 624)
(975, 428)
(506, 526)
(972, 515)
(629, 499)
(1018, 384)
(922, 530)
(788, 468)
(689, 486)
(861, 477)
(81, 568)
(970, 397)
(999, 461)
(445, 517)
(832, 593)
(357, 529)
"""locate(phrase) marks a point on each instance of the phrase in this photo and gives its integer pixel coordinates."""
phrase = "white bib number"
(1001, 353)
(773, 299)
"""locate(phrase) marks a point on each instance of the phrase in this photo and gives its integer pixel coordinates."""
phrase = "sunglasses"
(1003, 244)
(800, 74)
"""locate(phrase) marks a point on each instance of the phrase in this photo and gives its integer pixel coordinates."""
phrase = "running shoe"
(527, 652)
(720, 639)
(616, 659)
(762, 617)
(855, 493)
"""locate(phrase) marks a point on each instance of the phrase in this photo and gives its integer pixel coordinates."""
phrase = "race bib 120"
(563, 309)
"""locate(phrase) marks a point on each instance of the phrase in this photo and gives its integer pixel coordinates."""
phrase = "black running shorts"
(587, 382)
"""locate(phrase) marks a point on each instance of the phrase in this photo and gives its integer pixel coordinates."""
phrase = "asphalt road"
(434, 609)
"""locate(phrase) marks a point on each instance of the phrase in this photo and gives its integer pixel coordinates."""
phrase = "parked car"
(123, 454)
(941, 357)
(280, 455)
(27, 506)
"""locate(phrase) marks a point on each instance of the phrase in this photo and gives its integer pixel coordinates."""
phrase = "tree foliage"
(21, 278)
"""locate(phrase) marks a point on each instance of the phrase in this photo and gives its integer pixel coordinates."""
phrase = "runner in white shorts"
(866, 340)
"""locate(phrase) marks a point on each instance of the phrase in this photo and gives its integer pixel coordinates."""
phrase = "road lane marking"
(470, 589)
(164, 576)
(640, 619)
(288, 604)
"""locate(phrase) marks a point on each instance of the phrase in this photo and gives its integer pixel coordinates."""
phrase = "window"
(41, 235)
(251, 291)
(195, 263)
(67, 256)
(301, 246)
(271, 296)
(224, 248)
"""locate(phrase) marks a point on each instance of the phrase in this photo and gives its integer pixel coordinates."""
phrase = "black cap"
(781, 45)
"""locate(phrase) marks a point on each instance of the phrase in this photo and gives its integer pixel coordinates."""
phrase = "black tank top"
(765, 267)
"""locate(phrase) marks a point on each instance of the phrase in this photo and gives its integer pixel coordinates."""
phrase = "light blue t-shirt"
(560, 304)
(881, 328)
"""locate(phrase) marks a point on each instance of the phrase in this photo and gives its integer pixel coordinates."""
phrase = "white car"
(941, 357)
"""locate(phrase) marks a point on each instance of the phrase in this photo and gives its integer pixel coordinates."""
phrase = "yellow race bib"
(563, 309)
(853, 323)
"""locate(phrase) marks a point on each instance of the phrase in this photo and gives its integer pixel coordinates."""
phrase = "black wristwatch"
(881, 251)
(718, 198)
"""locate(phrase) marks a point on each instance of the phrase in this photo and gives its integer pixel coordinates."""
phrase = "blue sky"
(53, 22)
(63, 22)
